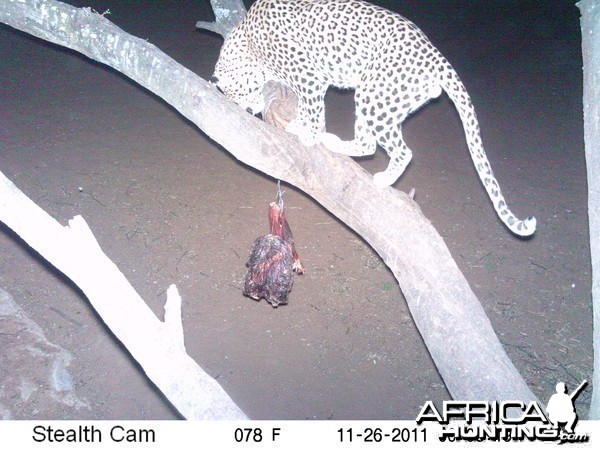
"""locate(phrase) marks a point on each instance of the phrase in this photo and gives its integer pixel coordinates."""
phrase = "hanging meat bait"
(273, 259)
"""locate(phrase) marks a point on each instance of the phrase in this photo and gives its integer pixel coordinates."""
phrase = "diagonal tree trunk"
(451, 320)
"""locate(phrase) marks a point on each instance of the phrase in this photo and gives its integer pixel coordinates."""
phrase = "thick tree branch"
(451, 320)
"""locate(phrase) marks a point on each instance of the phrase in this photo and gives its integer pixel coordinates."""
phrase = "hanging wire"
(279, 196)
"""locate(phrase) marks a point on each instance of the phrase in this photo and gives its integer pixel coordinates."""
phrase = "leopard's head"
(238, 74)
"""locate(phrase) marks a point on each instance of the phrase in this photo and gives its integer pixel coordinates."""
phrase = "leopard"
(393, 68)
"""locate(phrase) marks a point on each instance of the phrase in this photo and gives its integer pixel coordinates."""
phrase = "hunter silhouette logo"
(561, 407)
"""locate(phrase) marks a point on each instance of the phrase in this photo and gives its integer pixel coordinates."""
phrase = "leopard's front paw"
(333, 143)
(350, 148)
(306, 136)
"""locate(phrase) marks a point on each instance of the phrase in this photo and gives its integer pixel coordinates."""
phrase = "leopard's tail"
(455, 89)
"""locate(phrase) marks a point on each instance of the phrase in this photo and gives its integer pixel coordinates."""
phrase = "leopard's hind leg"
(392, 101)
(400, 155)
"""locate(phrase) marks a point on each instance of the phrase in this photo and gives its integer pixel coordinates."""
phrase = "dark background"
(169, 206)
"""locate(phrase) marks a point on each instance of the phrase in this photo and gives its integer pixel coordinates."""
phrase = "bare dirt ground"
(170, 206)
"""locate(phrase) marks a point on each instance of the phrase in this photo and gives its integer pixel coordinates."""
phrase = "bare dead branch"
(157, 346)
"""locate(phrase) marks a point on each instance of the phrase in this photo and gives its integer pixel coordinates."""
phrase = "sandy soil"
(170, 206)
